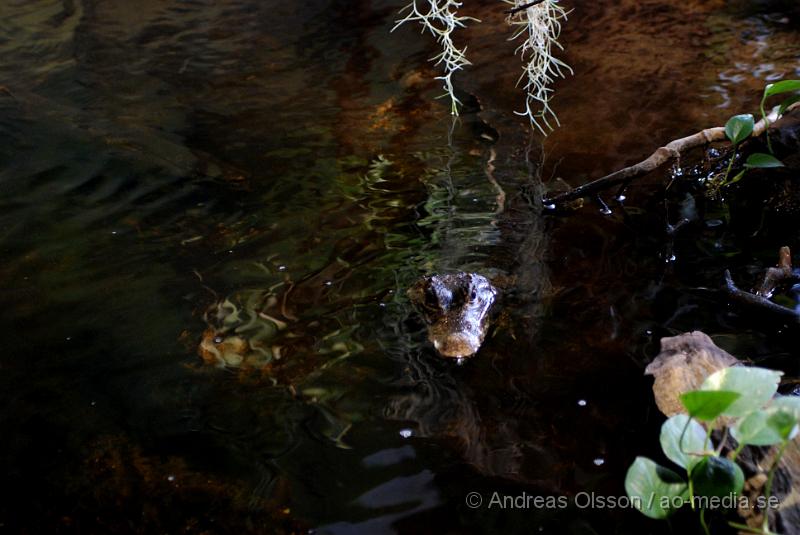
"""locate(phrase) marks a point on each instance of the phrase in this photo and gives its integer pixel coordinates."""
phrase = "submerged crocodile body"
(457, 308)
(484, 231)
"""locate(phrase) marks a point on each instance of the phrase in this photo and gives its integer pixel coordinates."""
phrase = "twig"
(673, 229)
(523, 7)
(778, 275)
(4, 89)
(603, 206)
(757, 301)
(665, 154)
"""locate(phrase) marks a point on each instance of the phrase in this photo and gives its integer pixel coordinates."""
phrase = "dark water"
(209, 213)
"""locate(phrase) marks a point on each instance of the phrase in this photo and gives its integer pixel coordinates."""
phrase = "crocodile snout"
(457, 345)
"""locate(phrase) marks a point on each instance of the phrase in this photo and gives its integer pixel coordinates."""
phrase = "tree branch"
(523, 7)
(665, 154)
(775, 276)
(758, 302)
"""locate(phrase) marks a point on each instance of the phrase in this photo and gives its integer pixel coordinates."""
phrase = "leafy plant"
(737, 129)
(757, 160)
(754, 416)
(740, 127)
(784, 86)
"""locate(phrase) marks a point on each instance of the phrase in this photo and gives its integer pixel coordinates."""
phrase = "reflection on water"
(209, 215)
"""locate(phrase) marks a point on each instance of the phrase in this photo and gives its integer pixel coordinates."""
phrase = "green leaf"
(788, 403)
(739, 127)
(706, 405)
(756, 386)
(784, 423)
(694, 441)
(786, 103)
(652, 488)
(784, 86)
(717, 476)
(759, 160)
(765, 427)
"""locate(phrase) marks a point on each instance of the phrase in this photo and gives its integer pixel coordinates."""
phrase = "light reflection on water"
(272, 176)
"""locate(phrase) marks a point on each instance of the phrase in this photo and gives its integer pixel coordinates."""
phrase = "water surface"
(183, 179)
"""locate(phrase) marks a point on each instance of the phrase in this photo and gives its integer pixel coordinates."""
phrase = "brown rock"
(683, 364)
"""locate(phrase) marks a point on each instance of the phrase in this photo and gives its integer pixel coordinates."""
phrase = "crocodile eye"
(431, 299)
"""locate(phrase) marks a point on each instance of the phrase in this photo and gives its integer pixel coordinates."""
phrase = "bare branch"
(663, 155)
(757, 302)
(523, 7)
(775, 276)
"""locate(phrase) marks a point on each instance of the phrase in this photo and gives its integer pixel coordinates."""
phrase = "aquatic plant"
(536, 23)
(737, 129)
(740, 127)
(740, 402)
(784, 86)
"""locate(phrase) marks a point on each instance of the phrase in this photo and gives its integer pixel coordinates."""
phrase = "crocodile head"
(456, 308)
